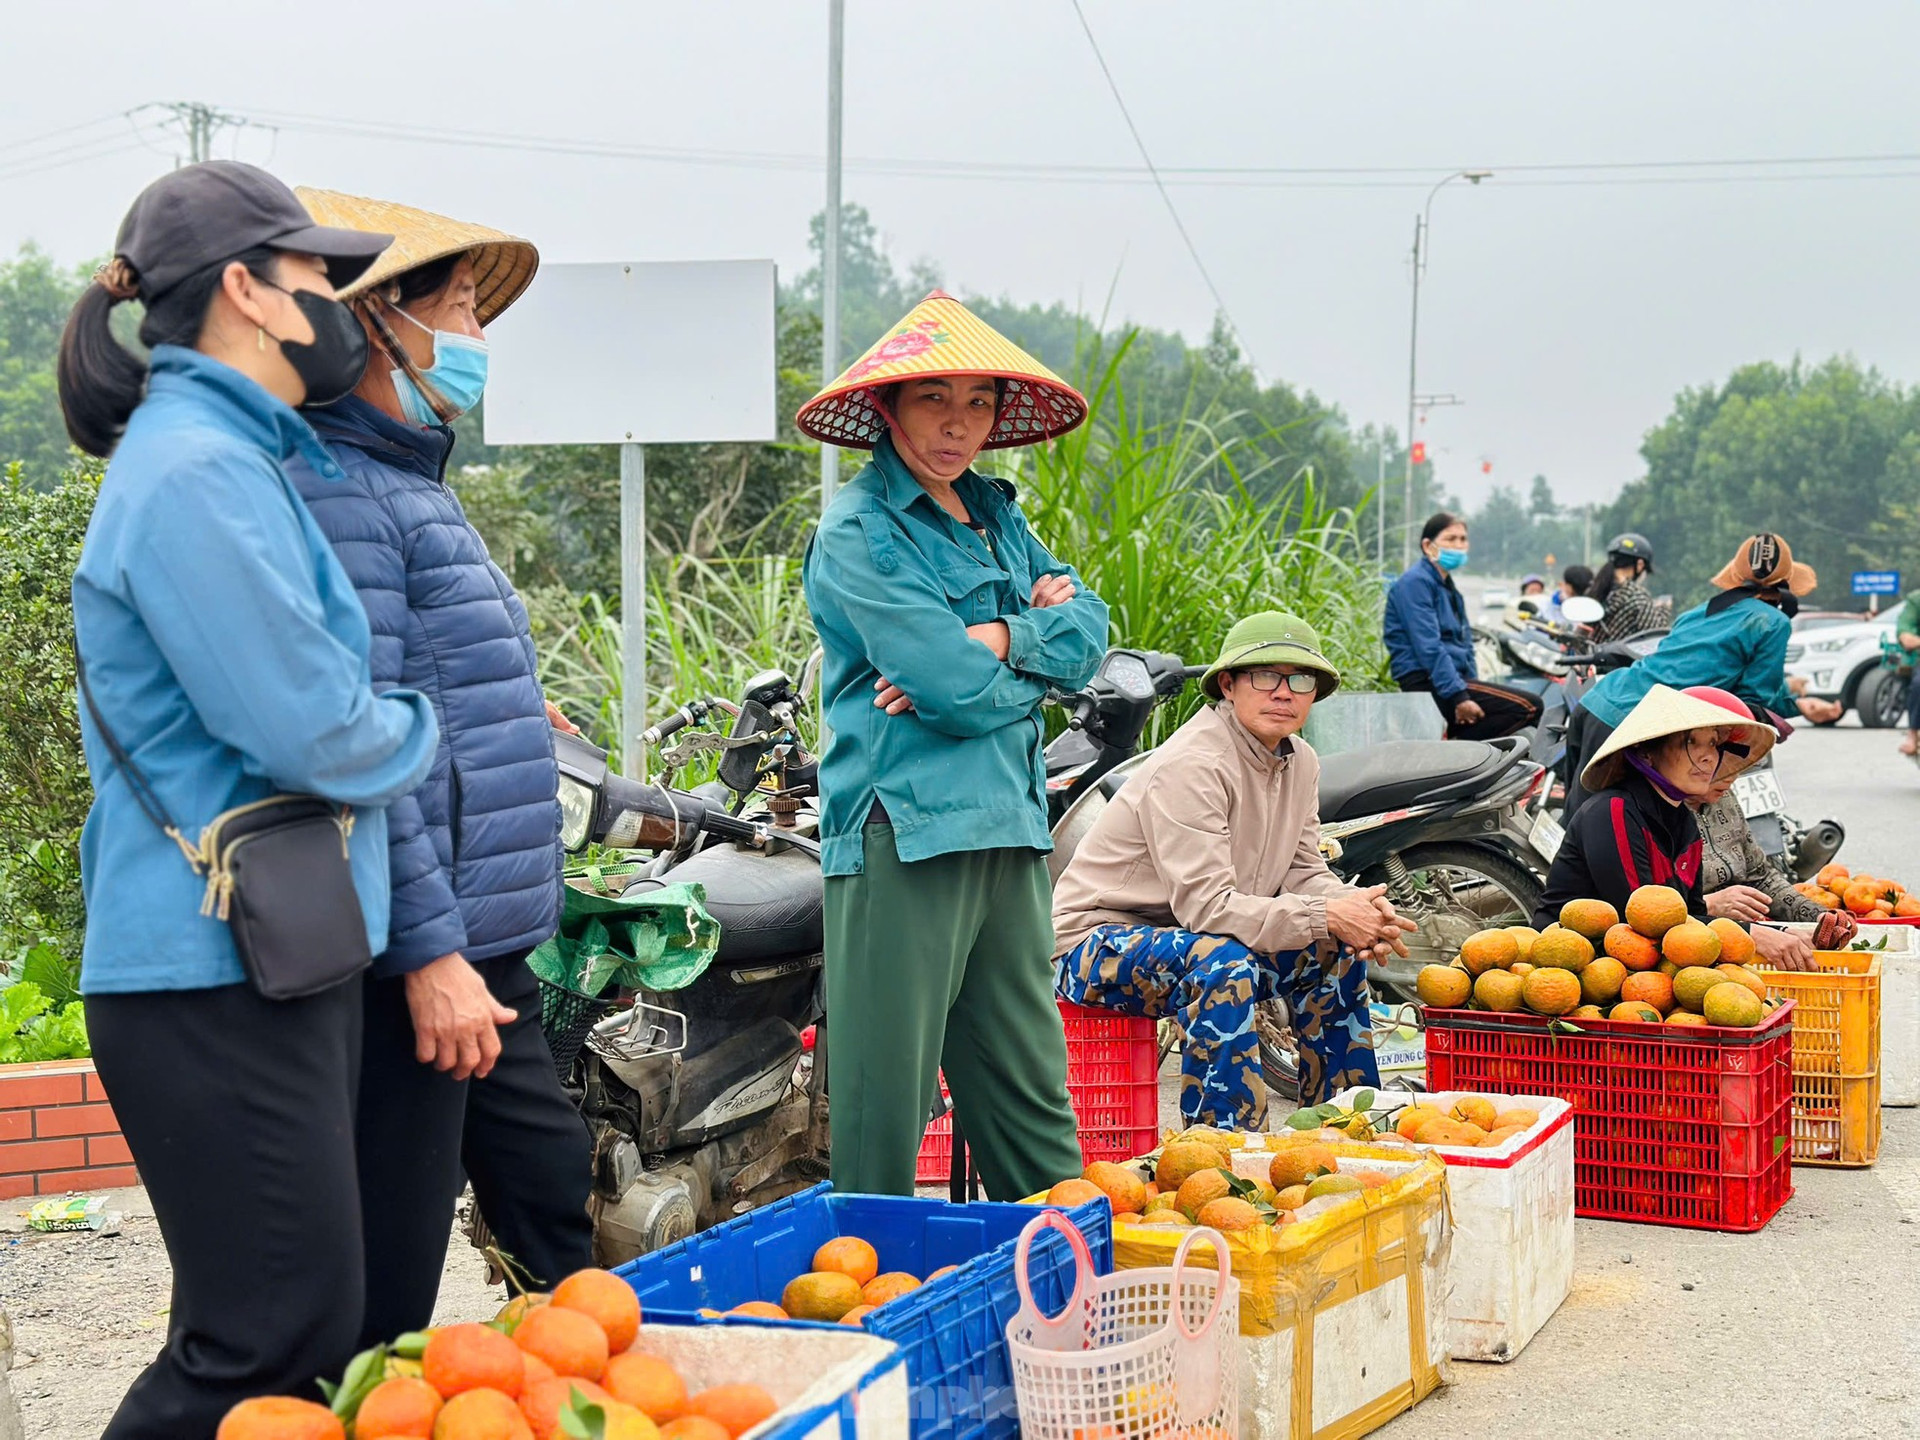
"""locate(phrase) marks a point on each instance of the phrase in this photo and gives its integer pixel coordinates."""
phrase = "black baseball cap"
(205, 214)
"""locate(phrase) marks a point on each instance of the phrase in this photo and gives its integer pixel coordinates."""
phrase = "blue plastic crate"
(951, 1330)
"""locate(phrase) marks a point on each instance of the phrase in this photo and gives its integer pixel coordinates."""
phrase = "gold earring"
(260, 337)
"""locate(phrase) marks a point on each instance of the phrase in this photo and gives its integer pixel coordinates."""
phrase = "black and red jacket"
(1619, 840)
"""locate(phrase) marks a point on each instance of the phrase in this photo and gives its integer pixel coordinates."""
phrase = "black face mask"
(332, 365)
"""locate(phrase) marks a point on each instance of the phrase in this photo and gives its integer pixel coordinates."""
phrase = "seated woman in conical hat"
(944, 622)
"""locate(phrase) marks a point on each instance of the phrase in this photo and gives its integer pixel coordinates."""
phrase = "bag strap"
(143, 791)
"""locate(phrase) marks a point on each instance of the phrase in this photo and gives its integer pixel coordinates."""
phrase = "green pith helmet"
(1272, 637)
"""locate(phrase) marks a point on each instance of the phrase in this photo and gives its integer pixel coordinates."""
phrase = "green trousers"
(945, 964)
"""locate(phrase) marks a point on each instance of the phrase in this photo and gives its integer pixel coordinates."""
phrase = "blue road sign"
(1876, 582)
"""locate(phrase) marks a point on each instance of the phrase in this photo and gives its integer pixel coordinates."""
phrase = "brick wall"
(57, 1131)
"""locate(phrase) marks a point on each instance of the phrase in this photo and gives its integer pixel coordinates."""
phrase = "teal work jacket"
(893, 581)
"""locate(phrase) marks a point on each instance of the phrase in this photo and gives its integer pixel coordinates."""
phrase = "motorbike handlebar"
(690, 713)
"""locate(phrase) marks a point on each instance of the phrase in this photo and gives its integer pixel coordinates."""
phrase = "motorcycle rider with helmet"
(1621, 586)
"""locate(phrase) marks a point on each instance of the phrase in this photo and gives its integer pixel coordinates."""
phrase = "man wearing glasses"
(1201, 891)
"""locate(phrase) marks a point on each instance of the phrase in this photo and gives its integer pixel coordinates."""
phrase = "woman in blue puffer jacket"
(455, 1071)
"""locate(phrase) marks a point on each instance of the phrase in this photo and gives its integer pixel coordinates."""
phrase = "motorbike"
(704, 1102)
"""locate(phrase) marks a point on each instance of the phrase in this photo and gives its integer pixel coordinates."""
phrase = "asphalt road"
(1811, 1326)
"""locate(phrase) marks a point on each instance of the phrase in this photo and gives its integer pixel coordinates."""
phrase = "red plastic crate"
(1113, 1079)
(1671, 1126)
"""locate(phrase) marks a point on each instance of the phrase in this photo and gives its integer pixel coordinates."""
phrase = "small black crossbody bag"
(278, 874)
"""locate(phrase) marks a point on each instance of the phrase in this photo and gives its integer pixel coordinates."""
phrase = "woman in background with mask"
(1430, 643)
(455, 1074)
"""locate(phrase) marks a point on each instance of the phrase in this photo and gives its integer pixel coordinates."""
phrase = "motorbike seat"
(1405, 773)
(768, 906)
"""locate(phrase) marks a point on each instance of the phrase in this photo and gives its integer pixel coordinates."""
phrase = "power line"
(1140, 144)
(31, 141)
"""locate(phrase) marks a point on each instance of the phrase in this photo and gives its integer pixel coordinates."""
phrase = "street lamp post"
(1422, 222)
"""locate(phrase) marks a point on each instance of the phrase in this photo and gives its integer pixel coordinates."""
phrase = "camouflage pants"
(1211, 984)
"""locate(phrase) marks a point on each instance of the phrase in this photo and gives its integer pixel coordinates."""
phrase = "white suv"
(1841, 661)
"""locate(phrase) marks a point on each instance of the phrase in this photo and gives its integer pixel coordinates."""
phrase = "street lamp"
(1422, 222)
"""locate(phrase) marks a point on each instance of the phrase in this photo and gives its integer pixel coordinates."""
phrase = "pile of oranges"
(1866, 896)
(512, 1378)
(845, 1286)
(1194, 1182)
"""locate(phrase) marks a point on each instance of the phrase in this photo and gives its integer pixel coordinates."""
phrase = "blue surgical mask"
(1452, 559)
(459, 373)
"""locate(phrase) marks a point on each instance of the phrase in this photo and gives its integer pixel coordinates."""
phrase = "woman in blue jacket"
(456, 1072)
(1430, 643)
(227, 654)
(1737, 642)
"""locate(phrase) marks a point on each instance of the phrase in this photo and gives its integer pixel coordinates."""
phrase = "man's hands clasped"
(1365, 919)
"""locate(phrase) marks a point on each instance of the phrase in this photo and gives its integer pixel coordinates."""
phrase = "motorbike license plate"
(1547, 836)
(1759, 794)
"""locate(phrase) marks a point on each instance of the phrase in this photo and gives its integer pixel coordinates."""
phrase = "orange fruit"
(572, 1343)
(1518, 1118)
(890, 1286)
(624, 1422)
(1562, 949)
(1474, 1110)
(695, 1427)
(1635, 1010)
(1181, 1158)
(858, 1314)
(536, 1371)
(1488, 950)
(280, 1417)
(607, 1300)
(1075, 1192)
(760, 1310)
(459, 1358)
(647, 1383)
(1740, 975)
(1686, 1017)
(1551, 992)
(1202, 1189)
(1523, 936)
(1297, 1164)
(820, 1295)
(1443, 987)
(737, 1407)
(544, 1402)
(1736, 945)
(1655, 909)
(515, 1310)
(1588, 1012)
(851, 1256)
(1690, 943)
(1631, 948)
(1228, 1214)
(1521, 968)
(1500, 989)
(1591, 918)
(1125, 1191)
(950, 1269)
(400, 1407)
(1600, 982)
(482, 1414)
(1649, 987)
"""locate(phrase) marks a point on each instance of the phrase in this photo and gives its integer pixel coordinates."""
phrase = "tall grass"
(1180, 531)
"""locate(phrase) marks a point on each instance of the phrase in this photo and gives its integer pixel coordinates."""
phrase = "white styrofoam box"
(1899, 1009)
(1513, 1239)
(832, 1382)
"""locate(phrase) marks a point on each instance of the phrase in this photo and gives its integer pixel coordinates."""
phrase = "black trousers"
(239, 1112)
(515, 1135)
(1507, 710)
(1586, 733)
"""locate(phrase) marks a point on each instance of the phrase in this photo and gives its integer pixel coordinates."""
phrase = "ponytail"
(101, 382)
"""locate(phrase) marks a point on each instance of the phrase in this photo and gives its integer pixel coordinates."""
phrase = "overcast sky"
(1565, 314)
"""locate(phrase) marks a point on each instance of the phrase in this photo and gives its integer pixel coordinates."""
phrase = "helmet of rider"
(1627, 547)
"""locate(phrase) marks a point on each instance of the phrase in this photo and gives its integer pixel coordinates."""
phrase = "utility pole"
(830, 240)
(199, 124)
(1380, 503)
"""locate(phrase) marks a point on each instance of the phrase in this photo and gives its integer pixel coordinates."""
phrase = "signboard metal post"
(633, 607)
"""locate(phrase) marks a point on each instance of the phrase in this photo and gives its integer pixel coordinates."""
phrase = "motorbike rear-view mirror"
(1583, 610)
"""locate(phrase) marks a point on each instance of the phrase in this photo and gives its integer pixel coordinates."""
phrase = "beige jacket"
(1214, 833)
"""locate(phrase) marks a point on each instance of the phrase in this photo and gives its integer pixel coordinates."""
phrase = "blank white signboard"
(653, 353)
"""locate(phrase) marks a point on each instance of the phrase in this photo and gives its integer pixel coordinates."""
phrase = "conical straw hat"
(940, 336)
(503, 264)
(1666, 711)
